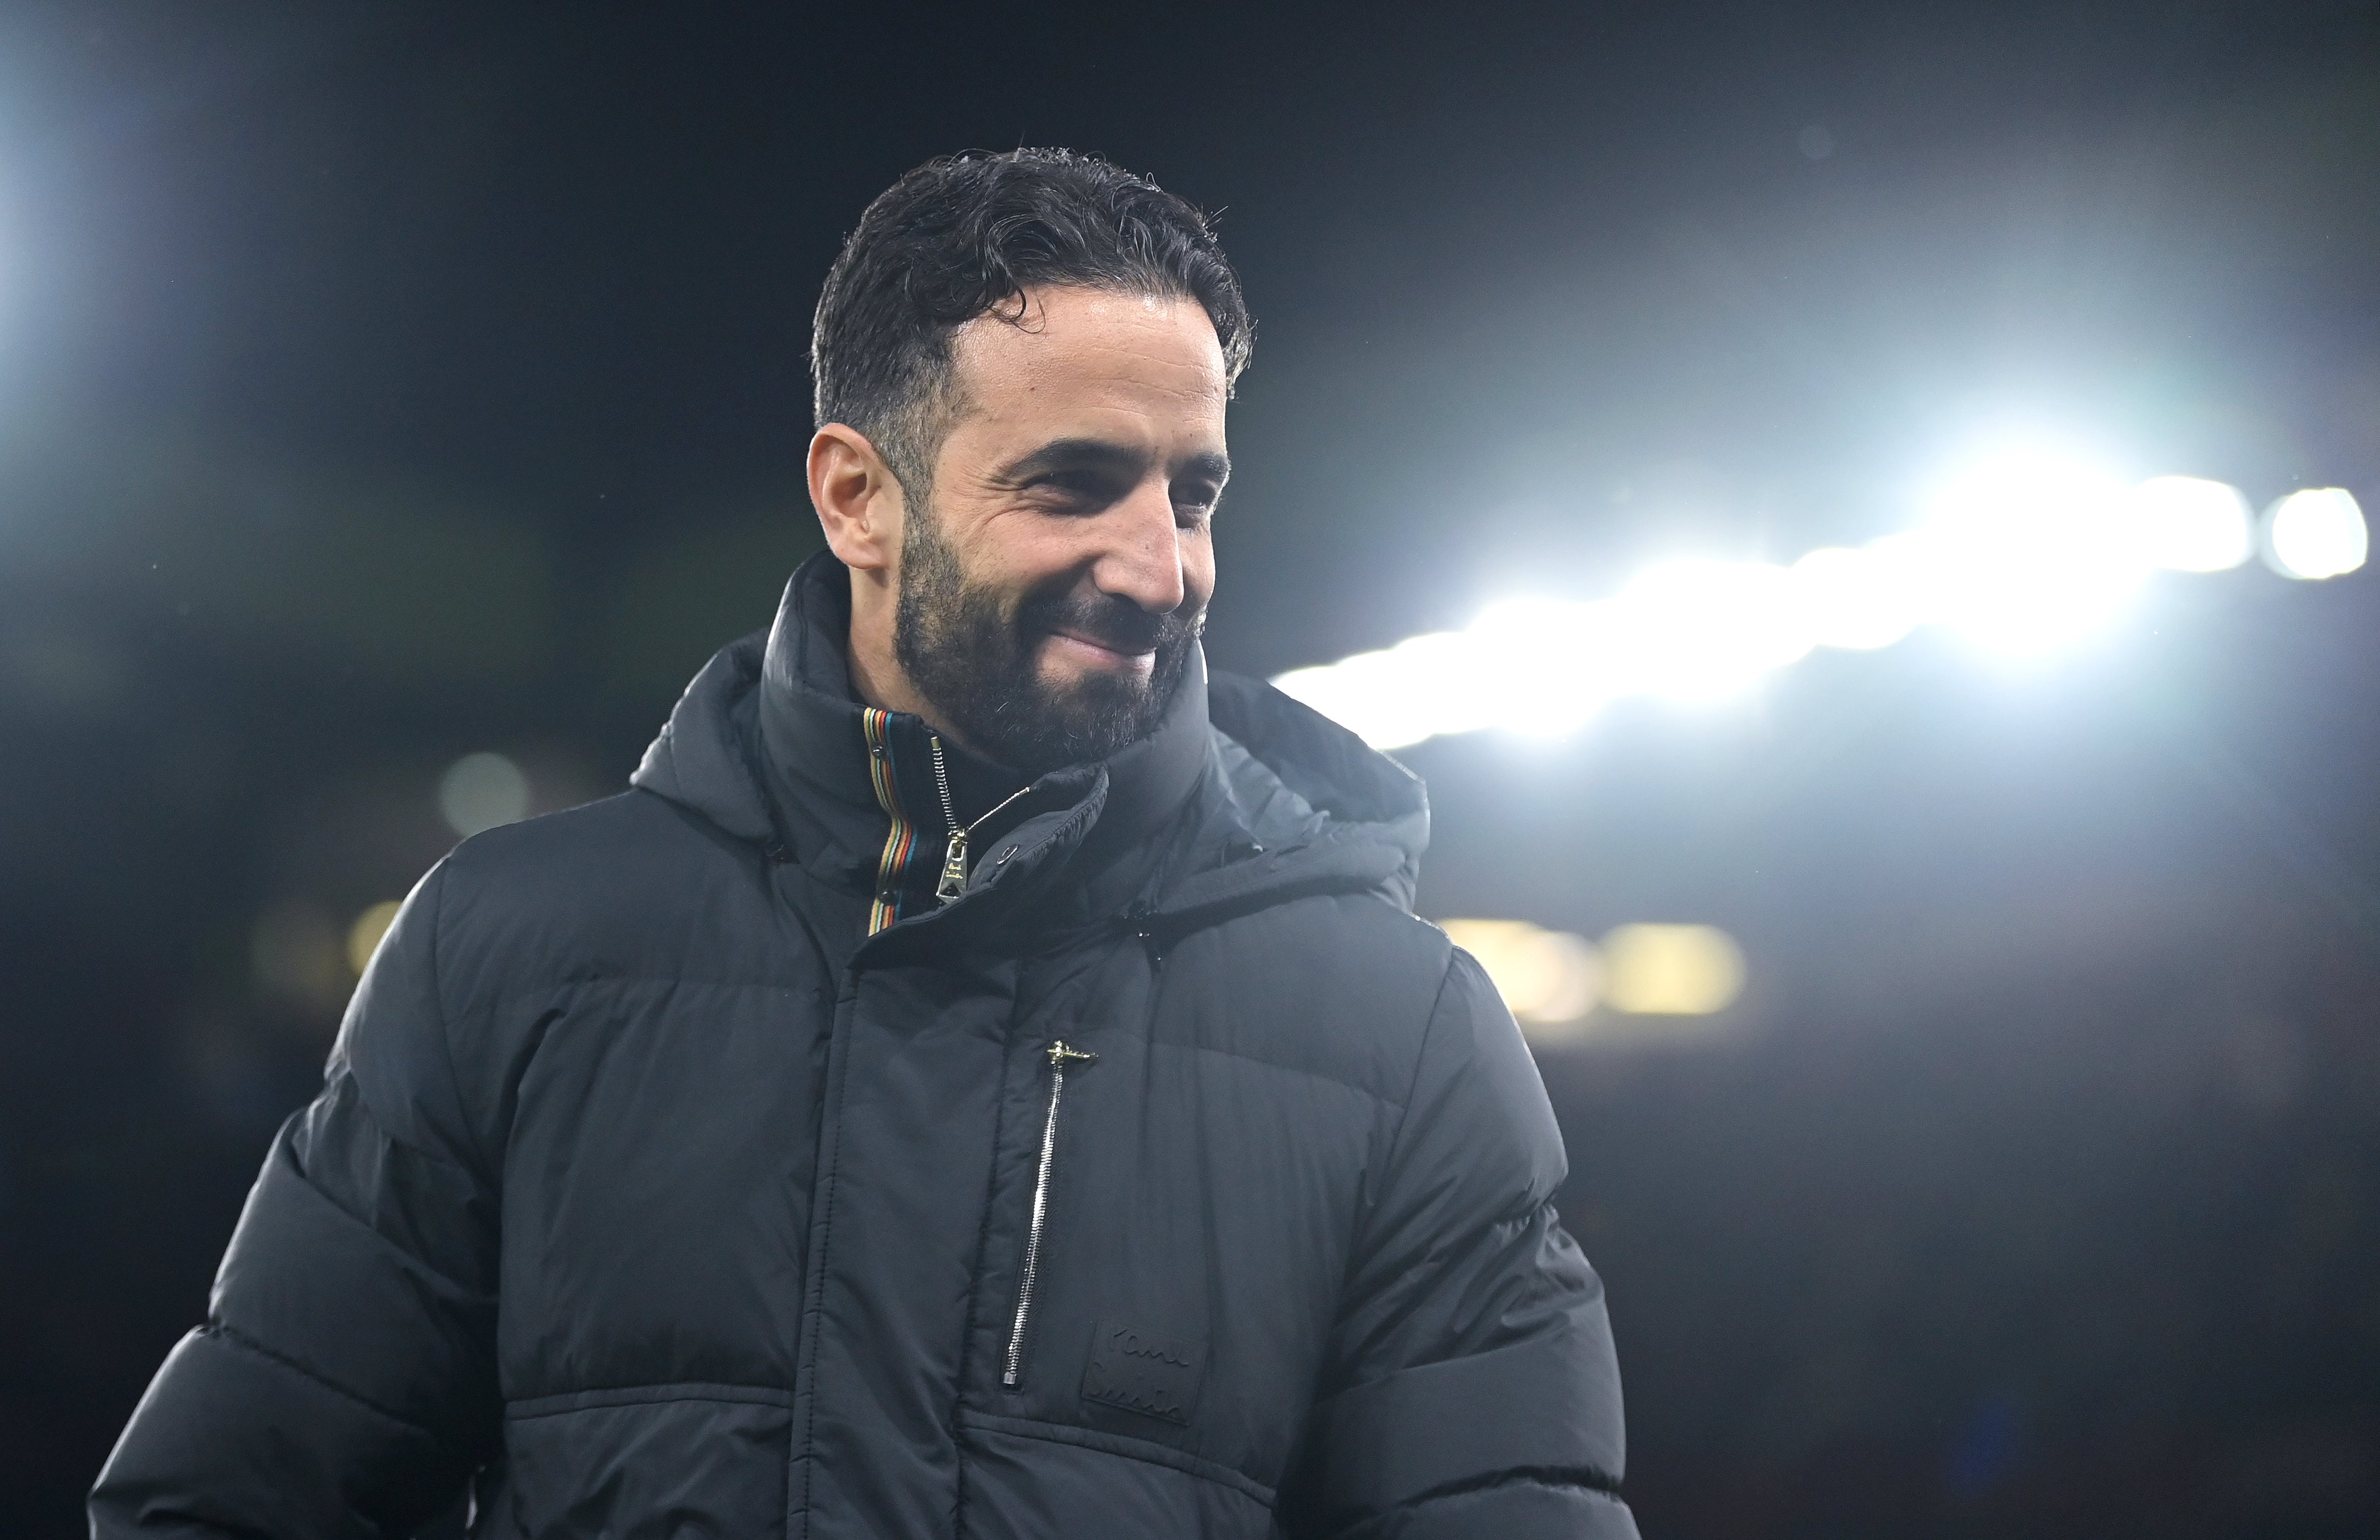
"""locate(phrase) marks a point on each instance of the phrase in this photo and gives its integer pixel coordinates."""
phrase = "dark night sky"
(383, 383)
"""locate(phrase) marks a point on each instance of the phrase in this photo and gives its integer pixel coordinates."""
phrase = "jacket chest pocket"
(1165, 1238)
(1101, 1312)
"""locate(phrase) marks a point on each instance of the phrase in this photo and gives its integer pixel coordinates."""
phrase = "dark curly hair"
(964, 236)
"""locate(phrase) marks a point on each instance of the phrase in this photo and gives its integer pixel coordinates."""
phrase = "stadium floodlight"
(1695, 630)
(2031, 549)
(2023, 551)
(1439, 683)
(1362, 694)
(2316, 533)
(2189, 524)
(1546, 666)
(1859, 598)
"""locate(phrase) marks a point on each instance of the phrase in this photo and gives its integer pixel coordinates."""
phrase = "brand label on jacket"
(1139, 1371)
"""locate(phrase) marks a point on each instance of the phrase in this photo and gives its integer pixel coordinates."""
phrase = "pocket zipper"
(1061, 1054)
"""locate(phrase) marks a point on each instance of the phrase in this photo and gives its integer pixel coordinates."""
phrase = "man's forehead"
(1078, 345)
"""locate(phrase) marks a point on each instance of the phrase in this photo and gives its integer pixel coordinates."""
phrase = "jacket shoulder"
(516, 923)
(629, 886)
(1343, 986)
(613, 833)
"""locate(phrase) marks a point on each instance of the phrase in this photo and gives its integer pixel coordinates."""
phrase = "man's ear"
(857, 498)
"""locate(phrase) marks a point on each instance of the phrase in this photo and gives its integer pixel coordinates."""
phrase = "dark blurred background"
(385, 386)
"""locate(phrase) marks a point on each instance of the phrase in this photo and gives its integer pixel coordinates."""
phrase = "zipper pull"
(1063, 1053)
(955, 859)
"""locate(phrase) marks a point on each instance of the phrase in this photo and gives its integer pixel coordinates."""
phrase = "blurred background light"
(364, 935)
(2316, 533)
(1534, 675)
(1699, 630)
(1859, 598)
(2189, 524)
(1552, 980)
(482, 790)
(2031, 548)
(1367, 695)
(1671, 970)
(2024, 551)
(1547, 977)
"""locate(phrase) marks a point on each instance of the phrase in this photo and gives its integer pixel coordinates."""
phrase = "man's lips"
(1103, 655)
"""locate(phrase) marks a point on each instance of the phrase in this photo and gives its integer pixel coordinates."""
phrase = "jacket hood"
(1241, 797)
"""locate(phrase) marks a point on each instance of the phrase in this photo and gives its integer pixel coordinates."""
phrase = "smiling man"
(984, 1079)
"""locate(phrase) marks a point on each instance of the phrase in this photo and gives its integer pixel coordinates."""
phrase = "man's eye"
(1072, 491)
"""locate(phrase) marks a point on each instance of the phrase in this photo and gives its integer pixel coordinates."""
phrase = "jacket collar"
(827, 767)
(1205, 817)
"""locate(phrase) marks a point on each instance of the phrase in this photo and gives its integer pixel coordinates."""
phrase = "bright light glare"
(1855, 598)
(2024, 551)
(1543, 667)
(1423, 687)
(2031, 549)
(1701, 630)
(2317, 533)
(2186, 524)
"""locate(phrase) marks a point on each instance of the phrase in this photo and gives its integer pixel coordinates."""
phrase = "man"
(983, 1080)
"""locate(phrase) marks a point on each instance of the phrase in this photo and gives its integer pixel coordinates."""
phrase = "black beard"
(976, 664)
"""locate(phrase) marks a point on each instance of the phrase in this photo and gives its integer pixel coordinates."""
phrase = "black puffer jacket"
(684, 1168)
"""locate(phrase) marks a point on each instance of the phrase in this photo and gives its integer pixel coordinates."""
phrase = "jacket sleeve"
(343, 1382)
(1473, 1388)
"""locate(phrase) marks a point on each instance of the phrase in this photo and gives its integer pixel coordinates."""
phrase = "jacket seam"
(1577, 1478)
(671, 1392)
(445, 1032)
(1421, 1057)
(1241, 1055)
(409, 1259)
(234, 1338)
(364, 1109)
(1396, 1140)
(514, 991)
(830, 1122)
(1123, 1447)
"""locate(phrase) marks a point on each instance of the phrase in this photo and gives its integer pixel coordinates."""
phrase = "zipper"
(954, 857)
(1061, 1054)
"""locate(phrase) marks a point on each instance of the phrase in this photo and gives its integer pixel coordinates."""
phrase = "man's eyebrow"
(1060, 455)
(1074, 454)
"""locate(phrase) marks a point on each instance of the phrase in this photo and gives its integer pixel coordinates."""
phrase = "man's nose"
(1141, 558)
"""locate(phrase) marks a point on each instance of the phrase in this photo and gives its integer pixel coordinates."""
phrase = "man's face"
(1050, 595)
